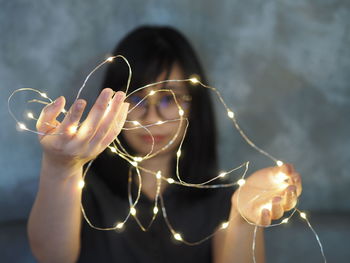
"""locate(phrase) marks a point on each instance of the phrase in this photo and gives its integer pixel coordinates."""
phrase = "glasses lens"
(166, 105)
(138, 106)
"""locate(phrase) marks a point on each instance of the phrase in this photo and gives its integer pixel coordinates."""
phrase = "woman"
(56, 230)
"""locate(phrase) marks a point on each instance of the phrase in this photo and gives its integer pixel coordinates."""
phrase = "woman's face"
(159, 107)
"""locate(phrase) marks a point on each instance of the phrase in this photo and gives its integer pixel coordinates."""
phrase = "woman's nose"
(151, 116)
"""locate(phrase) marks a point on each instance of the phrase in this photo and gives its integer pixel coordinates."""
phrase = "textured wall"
(282, 65)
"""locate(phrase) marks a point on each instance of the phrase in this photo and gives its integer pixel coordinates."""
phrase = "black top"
(194, 219)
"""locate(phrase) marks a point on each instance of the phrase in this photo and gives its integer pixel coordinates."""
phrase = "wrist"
(60, 170)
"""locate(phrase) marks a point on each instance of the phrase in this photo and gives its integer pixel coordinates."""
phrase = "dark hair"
(151, 50)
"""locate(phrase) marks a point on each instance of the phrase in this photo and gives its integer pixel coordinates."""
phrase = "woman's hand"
(267, 194)
(65, 145)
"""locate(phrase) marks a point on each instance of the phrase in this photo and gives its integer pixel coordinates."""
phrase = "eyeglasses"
(164, 101)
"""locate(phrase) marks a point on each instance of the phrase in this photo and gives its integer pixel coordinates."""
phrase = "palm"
(272, 188)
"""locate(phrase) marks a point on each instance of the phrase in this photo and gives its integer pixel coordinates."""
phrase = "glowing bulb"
(279, 163)
(285, 221)
(133, 211)
(159, 175)
(170, 180)
(152, 92)
(138, 159)
(267, 206)
(44, 95)
(135, 123)
(155, 210)
(230, 114)
(159, 122)
(280, 178)
(303, 215)
(134, 164)
(194, 80)
(224, 225)
(181, 112)
(22, 126)
(178, 154)
(113, 150)
(120, 225)
(223, 174)
(30, 115)
(81, 184)
(73, 129)
(110, 59)
(177, 236)
(241, 182)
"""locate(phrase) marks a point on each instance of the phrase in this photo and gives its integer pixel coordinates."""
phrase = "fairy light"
(194, 80)
(267, 206)
(285, 221)
(280, 178)
(181, 112)
(72, 129)
(138, 159)
(224, 225)
(120, 225)
(223, 174)
(241, 182)
(155, 210)
(22, 126)
(170, 180)
(81, 184)
(178, 153)
(303, 215)
(44, 95)
(30, 115)
(230, 114)
(279, 163)
(178, 236)
(133, 211)
(113, 149)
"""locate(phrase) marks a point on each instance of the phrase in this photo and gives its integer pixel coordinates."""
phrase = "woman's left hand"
(267, 194)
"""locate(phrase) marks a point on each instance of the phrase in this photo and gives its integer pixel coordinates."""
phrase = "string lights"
(280, 179)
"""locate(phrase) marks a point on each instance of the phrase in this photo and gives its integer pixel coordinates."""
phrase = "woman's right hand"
(64, 145)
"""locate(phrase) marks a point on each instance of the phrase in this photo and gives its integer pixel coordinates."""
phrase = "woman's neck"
(149, 182)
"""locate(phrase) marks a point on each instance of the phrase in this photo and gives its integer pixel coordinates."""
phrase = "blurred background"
(283, 66)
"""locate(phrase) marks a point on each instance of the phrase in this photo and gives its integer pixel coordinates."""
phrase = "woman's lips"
(148, 138)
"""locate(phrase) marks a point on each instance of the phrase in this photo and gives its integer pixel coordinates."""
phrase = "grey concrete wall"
(283, 66)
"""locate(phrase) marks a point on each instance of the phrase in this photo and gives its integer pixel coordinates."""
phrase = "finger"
(290, 198)
(47, 119)
(287, 168)
(277, 209)
(90, 125)
(109, 119)
(265, 217)
(117, 127)
(296, 178)
(71, 121)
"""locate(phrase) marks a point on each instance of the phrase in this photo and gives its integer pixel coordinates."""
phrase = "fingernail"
(106, 93)
(277, 199)
(120, 96)
(57, 101)
(79, 105)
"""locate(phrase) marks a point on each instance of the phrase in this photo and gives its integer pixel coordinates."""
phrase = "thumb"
(47, 119)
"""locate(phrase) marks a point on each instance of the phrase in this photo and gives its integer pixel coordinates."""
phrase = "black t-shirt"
(194, 219)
